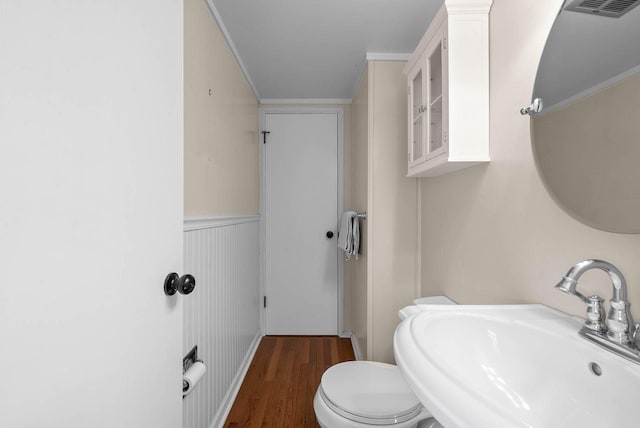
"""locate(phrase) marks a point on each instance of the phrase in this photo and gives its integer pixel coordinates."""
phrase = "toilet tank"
(411, 310)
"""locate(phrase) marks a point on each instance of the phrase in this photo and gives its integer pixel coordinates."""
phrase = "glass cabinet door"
(427, 103)
(417, 95)
(436, 99)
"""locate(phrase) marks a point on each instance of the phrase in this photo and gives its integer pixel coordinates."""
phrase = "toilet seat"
(369, 393)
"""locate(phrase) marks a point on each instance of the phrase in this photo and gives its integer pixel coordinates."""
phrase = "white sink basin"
(514, 366)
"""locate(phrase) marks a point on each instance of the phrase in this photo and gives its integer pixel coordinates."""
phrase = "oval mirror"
(586, 139)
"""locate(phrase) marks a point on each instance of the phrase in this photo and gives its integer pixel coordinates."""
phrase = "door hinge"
(264, 301)
(408, 90)
(444, 43)
(264, 136)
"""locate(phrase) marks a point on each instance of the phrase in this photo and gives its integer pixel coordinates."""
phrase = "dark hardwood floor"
(283, 377)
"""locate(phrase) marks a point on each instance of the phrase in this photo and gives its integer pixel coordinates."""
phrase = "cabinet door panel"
(435, 59)
(418, 115)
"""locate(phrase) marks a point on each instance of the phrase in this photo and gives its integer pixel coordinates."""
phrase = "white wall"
(221, 316)
(491, 233)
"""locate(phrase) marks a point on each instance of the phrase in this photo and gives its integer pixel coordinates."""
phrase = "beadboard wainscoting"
(221, 316)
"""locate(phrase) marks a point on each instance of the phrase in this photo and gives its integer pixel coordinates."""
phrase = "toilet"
(361, 394)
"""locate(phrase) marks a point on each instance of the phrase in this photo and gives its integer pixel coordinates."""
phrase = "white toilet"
(361, 394)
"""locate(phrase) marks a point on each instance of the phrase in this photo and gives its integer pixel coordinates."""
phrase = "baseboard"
(356, 349)
(228, 400)
(345, 335)
(354, 343)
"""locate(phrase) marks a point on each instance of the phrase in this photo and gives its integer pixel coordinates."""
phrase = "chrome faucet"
(617, 332)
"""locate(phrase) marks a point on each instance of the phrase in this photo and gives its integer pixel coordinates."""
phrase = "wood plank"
(335, 359)
(291, 388)
(345, 348)
(273, 361)
(275, 413)
(282, 380)
(304, 351)
(252, 397)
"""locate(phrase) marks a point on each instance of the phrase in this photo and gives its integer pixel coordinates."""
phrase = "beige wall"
(356, 270)
(385, 276)
(491, 233)
(393, 202)
(220, 130)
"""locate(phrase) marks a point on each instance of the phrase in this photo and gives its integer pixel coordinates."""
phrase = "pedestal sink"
(514, 366)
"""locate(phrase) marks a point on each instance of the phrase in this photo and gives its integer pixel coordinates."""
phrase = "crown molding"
(322, 101)
(381, 56)
(468, 6)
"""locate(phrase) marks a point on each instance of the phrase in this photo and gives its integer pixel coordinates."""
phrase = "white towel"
(355, 236)
(345, 239)
(349, 237)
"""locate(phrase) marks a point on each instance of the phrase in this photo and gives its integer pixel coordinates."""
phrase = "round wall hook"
(534, 107)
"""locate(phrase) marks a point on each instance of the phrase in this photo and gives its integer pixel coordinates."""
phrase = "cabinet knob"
(329, 234)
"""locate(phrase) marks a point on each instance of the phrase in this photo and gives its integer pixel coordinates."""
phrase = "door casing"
(340, 192)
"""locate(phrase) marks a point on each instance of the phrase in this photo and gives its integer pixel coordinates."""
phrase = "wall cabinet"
(448, 91)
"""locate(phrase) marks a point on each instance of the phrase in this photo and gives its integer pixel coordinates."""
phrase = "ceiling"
(316, 49)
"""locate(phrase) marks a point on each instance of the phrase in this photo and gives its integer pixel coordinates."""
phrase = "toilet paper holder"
(188, 361)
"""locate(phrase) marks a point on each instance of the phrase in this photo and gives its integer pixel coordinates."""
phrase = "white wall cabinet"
(448, 91)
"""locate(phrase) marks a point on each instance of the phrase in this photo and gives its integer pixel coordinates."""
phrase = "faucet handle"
(636, 336)
(595, 315)
(622, 329)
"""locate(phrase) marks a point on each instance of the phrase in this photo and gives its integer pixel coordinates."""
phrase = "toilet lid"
(369, 392)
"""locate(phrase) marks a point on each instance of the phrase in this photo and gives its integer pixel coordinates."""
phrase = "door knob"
(329, 234)
(184, 284)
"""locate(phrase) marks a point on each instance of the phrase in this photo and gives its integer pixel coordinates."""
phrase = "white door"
(301, 203)
(90, 213)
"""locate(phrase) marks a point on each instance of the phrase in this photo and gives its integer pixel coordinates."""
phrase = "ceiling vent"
(610, 8)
